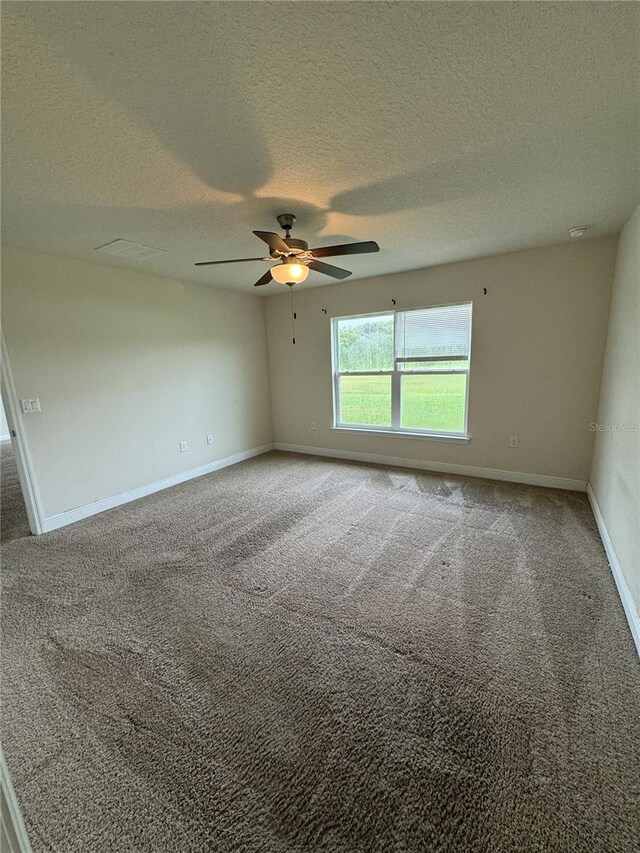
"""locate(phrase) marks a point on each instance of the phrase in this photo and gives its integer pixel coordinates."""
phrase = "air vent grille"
(130, 251)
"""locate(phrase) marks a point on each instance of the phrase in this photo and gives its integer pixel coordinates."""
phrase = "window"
(404, 372)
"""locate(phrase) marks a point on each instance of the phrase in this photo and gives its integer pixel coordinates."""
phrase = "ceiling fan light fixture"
(289, 273)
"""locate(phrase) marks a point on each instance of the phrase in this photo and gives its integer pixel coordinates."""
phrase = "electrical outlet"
(183, 446)
(513, 441)
(312, 426)
(209, 438)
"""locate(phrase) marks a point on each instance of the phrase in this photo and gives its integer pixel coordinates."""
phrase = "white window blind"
(433, 333)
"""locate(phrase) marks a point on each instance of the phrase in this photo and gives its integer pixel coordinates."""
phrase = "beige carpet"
(297, 655)
(14, 523)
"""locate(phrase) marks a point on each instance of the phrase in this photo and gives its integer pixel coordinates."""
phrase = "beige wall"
(537, 350)
(615, 476)
(126, 365)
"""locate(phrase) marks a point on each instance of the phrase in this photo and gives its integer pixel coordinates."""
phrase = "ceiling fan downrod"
(286, 222)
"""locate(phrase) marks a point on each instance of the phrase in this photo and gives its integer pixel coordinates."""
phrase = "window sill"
(429, 436)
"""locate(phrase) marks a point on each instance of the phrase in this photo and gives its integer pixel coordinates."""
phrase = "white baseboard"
(5, 437)
(14, 834)
(624, 592)
(441, 467)
(53, 522)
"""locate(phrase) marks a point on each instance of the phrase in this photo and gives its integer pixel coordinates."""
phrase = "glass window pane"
(365, 400)
(366, 343)
(433, 402)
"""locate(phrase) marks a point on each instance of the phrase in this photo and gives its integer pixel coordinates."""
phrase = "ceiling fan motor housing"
(295, 244)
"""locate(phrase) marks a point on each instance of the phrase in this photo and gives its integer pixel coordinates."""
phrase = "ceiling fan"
(295, 257)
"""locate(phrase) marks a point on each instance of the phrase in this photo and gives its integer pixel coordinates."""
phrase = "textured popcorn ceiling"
(443, 131)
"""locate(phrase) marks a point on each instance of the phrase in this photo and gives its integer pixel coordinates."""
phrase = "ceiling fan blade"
(328, 269)
(266, 278)
(345, 249)
(233, 261)
(274, 241)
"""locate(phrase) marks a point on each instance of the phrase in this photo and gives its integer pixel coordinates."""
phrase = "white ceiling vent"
(130, 251)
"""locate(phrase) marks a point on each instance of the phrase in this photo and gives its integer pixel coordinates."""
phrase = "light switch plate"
(29, 406)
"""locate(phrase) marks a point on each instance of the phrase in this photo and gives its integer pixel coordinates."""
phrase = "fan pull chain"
(293, 315)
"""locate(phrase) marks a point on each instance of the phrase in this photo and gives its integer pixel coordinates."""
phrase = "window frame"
(396, 379)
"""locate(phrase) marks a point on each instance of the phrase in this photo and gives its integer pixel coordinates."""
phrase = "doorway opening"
(20, 514)
(14, 521)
